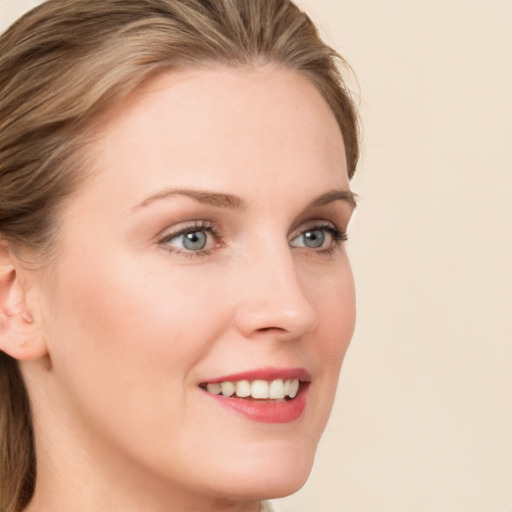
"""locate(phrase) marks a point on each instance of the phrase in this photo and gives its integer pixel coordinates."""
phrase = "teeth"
(277, 389)
(259, 389)
(294, 388)
(227, 388)
(243, 388)
(214, 389)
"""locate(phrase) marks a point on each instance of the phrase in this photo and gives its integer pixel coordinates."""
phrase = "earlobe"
(20, 336)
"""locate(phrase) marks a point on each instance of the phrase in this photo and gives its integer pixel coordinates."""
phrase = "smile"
(269, 395)
(277, 389)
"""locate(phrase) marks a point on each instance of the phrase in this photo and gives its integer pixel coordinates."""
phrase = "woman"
(175, 297)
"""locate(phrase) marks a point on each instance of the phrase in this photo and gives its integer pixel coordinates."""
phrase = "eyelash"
(194, 227)
(338, 238)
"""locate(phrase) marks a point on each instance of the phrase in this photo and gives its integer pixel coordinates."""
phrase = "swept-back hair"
(67, 62)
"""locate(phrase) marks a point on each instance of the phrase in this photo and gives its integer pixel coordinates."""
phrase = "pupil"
(314, 239)
(195, 241)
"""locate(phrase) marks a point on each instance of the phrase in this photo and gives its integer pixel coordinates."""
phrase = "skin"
(128, 322)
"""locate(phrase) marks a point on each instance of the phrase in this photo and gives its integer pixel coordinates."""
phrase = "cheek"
(343, 318)
(123, 326)
(124, 343)
(335, 304)
(336, 308)
(339, 318)
(127, 307)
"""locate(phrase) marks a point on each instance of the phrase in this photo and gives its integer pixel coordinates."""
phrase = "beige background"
(423, 419)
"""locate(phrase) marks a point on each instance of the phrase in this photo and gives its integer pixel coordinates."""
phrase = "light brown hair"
(68, 61)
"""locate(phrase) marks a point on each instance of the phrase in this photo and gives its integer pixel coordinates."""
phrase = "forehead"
(197, 126)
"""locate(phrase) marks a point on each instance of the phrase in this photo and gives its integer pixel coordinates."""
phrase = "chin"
(272, 474)
(283, 482)
(273, 485)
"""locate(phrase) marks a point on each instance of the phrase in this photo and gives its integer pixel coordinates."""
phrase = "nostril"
(284, 315)
(277, 332)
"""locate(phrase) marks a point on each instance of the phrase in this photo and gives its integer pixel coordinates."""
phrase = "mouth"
(258, 389)
(269, 396)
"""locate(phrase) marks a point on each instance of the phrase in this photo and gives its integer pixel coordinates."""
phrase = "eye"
(314, 239)
(193, 239)
(319, 238)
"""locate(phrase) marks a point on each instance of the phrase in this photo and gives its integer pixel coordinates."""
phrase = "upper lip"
(264, 374)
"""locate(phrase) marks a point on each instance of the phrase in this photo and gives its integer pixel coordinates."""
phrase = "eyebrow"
(215, 199)
(232, 202)
(345, 195)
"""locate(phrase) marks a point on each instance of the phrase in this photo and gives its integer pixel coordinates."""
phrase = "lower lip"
(266, 411)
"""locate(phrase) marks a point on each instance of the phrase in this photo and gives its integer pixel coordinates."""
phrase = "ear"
(20, 335)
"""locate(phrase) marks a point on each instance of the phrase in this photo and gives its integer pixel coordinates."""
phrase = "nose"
(271, 298)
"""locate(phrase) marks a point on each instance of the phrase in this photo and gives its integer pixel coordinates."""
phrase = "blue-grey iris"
(195, 241)
(314, 239)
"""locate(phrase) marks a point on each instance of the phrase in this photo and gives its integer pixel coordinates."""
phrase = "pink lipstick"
(270, 395)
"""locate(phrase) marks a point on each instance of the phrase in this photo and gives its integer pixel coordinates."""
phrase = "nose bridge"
(272, 297)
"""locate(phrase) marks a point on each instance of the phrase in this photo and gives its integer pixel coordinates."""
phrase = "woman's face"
(206, 249)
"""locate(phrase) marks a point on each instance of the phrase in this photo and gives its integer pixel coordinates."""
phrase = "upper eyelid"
(336, 212)
(315, 223)
(213, 227)
(184, 227)
(337, 233)
(208, 225)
